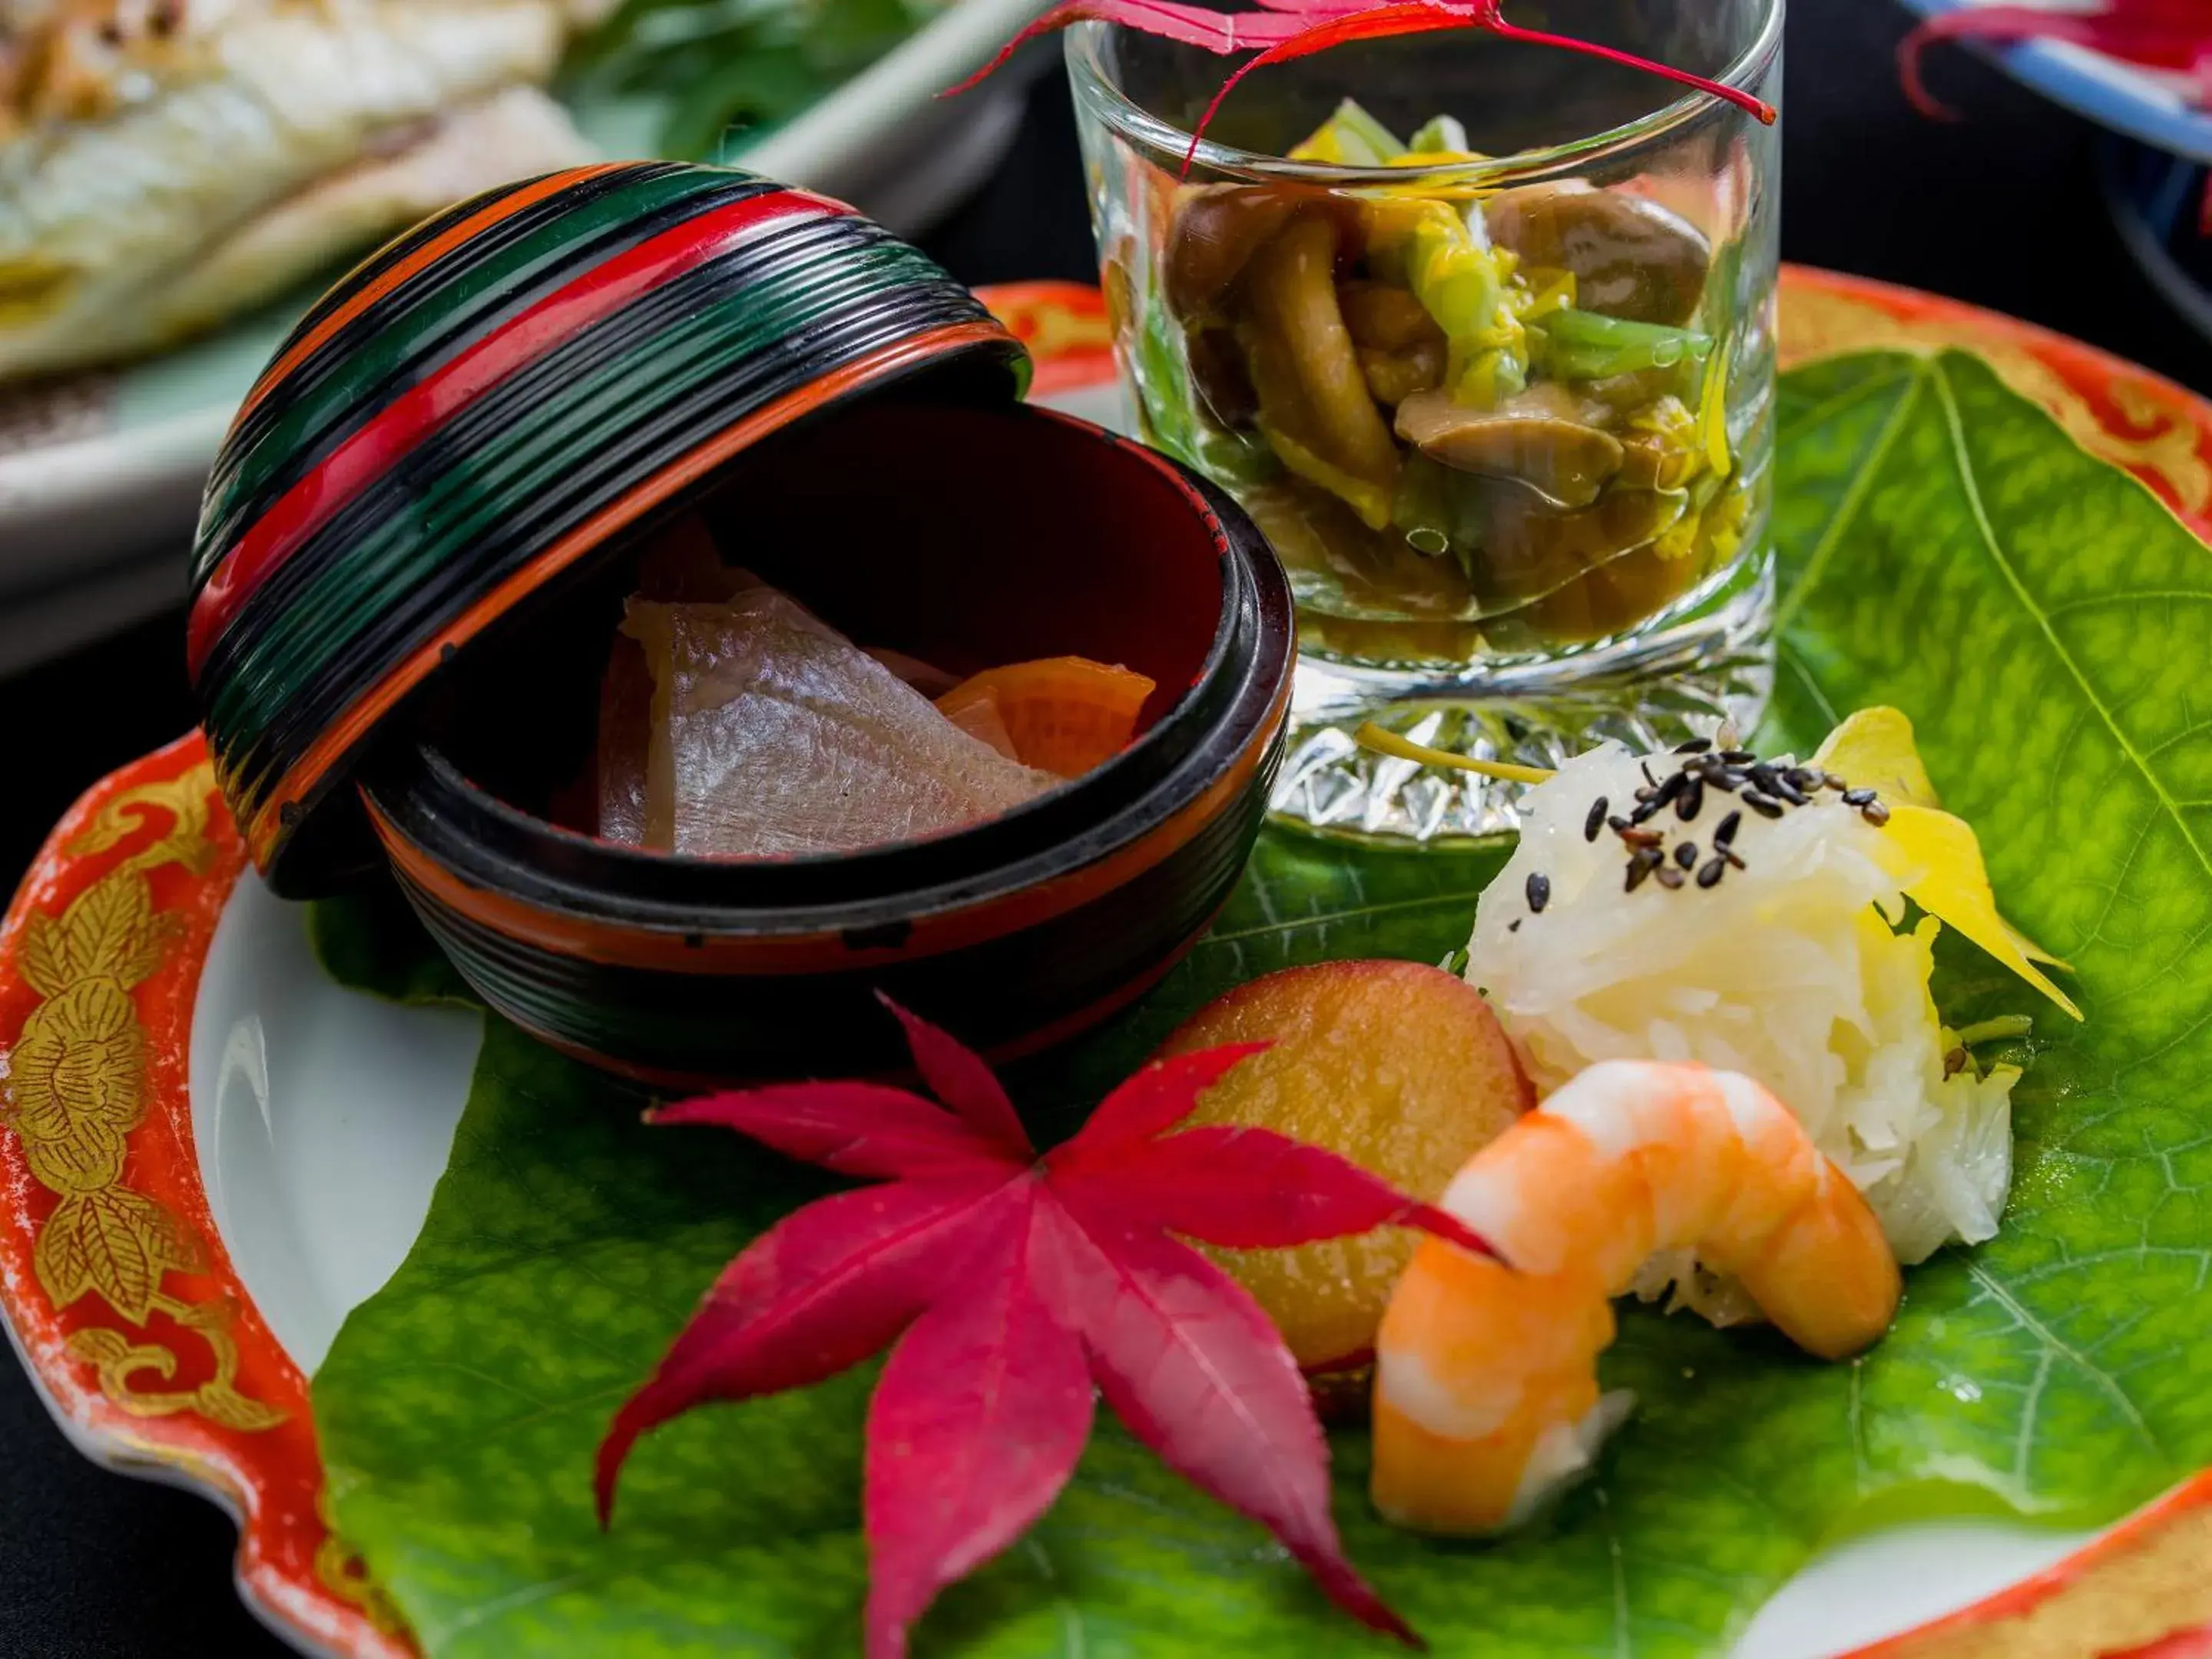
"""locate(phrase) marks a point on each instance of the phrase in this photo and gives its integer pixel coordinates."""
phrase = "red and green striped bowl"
(415, 546)
(487, 407)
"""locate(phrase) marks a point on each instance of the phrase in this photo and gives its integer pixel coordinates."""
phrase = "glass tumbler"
(1481, 334)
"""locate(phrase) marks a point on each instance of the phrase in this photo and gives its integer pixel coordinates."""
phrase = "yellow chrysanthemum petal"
(2035, 952)
(1938, 863)
(1875, 749)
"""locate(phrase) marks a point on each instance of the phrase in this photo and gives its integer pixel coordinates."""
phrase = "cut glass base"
(1651, 692)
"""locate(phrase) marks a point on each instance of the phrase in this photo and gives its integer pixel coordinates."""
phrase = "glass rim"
(1130, 120)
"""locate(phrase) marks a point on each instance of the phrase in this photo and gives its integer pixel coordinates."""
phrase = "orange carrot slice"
(1065, 715)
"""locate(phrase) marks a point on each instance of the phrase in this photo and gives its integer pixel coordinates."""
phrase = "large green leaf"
(1944, 547)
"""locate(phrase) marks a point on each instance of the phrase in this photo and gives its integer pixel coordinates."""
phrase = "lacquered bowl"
(1004, 534)
(412, 561)
(479, 414)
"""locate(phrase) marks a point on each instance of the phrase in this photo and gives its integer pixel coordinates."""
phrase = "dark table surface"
(2001, 208)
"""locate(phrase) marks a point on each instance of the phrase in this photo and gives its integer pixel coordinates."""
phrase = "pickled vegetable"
(1314, 404)
(1631, 258)
(1504, 416)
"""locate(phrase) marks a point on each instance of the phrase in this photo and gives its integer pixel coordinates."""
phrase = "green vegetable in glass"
(1352, 138)
(1430, 248)
(1443, 136)
(1584, 345)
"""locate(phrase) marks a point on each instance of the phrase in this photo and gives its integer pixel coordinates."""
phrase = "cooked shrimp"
(1485, 1387)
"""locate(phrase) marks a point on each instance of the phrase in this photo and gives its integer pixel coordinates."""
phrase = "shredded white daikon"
(1790, 968)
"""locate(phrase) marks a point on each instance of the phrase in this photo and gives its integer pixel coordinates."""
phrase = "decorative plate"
(99, 469)
(2141, 103)
(209, 1152)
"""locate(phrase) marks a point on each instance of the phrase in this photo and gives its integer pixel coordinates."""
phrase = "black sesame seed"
(1767, 780)
(1790, 792)
(1766, 805)
(1647, 859)
(1874, 813)
(1595, 821)
(1725, 777)
(1805, 777)
(1619, 824)
(1675, 784)
(1858, 797)
(1647, 793)
(1539, 889)
(1711, 874)
(1686, 854)
(1695, 746)
(1514, 926)
(1737, 757)
(1693, 802)
(1650, 809)
(1725, 831)
(1669, 876)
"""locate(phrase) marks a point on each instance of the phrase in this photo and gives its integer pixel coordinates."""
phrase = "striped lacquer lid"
(485, 403)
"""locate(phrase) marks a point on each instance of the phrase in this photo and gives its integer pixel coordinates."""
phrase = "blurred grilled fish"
(167, 163)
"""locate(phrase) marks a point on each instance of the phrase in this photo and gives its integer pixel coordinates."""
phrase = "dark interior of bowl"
(1511, 95)
(967, 537)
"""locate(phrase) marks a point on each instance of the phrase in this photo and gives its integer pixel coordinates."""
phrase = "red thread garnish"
(1007, 1286)
(1298, 28)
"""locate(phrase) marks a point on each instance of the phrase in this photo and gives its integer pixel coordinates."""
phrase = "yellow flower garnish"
(1935, 855)
(1874, 749)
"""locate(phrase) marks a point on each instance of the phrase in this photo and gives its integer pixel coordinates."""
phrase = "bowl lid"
(483, 408)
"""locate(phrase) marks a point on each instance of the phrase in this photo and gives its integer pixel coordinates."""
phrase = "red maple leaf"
(1005, 1286)
(1285, 29)
(2171, 35)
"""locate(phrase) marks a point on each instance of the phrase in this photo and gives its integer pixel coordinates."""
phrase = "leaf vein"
(1956, 426)
(1856, 497)
(2043, 1334)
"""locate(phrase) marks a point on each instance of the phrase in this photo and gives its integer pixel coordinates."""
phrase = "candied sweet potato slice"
(1400, 1068)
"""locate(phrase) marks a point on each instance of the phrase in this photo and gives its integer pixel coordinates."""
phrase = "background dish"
(2135, 101)
(2157, 203)
(100, 473)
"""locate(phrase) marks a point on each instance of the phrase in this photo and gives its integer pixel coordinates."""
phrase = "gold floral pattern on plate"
(77, 1090)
